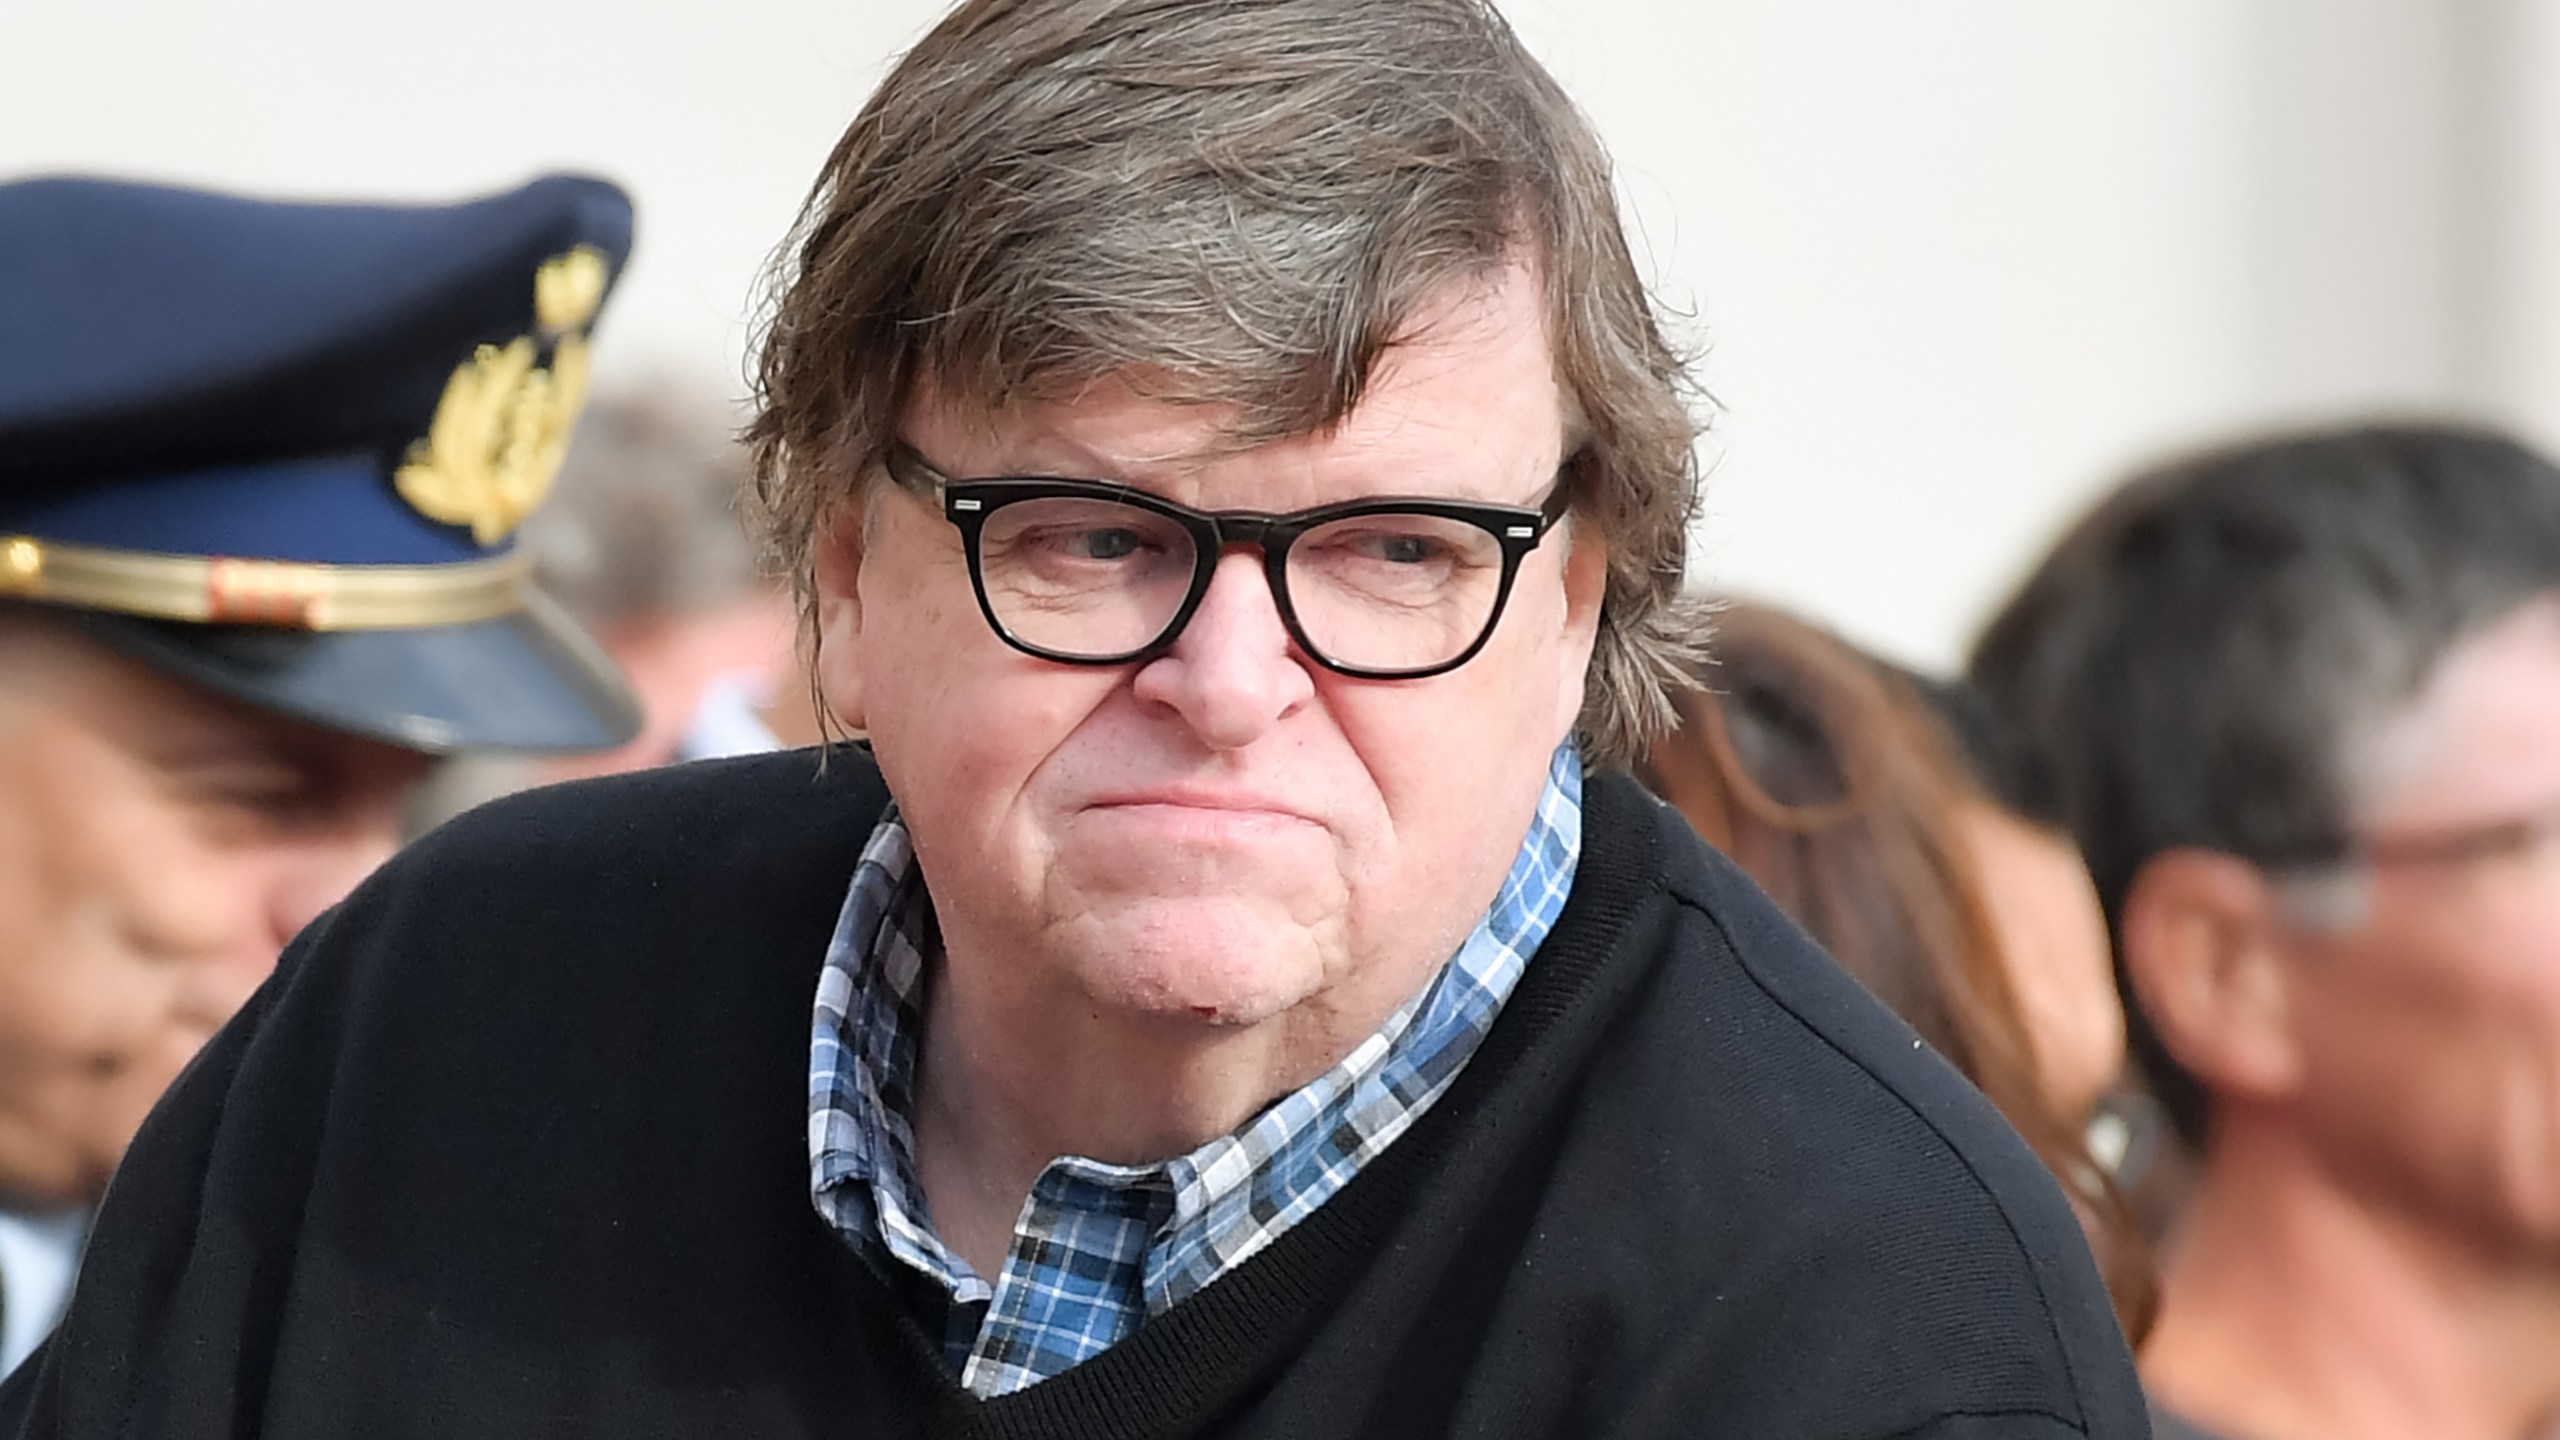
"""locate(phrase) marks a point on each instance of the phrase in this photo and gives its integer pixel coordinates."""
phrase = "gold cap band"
(221, 590)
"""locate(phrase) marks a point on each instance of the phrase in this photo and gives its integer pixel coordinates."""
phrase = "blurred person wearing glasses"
(1238, 485)
(2303, 700)
(260, 466)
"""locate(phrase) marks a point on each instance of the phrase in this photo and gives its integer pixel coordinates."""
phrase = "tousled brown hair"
(1829, 780)
(1231, 204)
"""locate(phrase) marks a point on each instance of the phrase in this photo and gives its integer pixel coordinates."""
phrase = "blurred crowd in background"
(2225, 859)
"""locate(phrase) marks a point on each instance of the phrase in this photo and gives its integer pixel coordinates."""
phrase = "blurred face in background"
(159, 844)
(2428, 1029)
(2053, 945)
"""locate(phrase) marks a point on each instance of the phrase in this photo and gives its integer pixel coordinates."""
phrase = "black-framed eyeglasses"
(1086, 572)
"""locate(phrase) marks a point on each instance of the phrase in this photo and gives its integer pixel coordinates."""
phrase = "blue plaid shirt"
(1099, 1248)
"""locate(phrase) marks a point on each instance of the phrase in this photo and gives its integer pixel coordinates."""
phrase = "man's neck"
(2294, 1308)
(993, 1111)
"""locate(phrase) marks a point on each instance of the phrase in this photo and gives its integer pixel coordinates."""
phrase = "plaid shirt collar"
(1099, 1247)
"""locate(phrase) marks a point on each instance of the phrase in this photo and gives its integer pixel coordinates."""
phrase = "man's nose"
(1233, 672)
(321, 872)
(305, 876)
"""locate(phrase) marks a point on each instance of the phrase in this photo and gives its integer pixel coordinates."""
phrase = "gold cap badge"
(567, 290)
(502, 428)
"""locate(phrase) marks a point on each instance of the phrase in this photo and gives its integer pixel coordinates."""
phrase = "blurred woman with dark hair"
(1829, 777)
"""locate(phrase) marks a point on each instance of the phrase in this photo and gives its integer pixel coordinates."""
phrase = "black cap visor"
(530, 680)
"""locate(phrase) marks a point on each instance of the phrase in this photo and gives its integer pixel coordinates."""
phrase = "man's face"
(1225, 832)
(158, 846)
(2431, 1030)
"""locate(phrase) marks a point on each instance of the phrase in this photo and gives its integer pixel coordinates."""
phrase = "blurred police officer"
(261, 467)
(640, 544)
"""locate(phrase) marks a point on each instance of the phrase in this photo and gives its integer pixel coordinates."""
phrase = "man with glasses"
(2303, 698)
(1238, 490)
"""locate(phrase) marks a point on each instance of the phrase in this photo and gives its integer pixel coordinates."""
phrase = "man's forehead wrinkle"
(1055, 430)
(1264, 405)
(1089, 432)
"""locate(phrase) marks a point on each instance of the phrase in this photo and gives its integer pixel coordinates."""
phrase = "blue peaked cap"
(281, 449)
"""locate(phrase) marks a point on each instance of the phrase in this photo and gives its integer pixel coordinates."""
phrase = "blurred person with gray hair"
(2302, 700)
(1235, 479)
(642, 545)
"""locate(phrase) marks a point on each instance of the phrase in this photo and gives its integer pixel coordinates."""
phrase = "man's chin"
(1226, 968)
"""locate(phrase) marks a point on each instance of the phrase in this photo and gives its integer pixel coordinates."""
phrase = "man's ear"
(1586, 576)
(838, 565)
(1586, 585)
(2204, 949)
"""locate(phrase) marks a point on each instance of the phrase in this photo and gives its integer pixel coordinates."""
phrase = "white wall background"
(1954, 264)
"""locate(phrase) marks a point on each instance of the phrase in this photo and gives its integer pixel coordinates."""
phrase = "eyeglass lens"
(1096, 578)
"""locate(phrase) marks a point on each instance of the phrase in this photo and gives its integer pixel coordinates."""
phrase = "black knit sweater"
(514, 1145)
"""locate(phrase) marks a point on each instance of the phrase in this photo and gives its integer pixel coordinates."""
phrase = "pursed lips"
(1240, 805)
